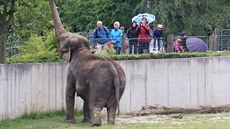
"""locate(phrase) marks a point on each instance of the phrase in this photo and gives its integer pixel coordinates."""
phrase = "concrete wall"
(187, 82)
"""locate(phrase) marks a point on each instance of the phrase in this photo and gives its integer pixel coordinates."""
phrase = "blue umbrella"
(150, 18)
(196, 45)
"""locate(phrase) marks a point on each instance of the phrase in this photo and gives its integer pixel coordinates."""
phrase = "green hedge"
(42, 57)
(165, 55)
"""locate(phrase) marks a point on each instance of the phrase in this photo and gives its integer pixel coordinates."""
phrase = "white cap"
(160, 26)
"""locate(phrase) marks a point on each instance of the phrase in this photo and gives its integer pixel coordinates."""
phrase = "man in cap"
(158, 35)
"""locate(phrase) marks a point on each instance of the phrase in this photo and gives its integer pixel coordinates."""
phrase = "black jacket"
(131, 33)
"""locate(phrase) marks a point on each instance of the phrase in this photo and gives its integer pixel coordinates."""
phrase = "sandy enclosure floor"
(172, 118)
(156, 114)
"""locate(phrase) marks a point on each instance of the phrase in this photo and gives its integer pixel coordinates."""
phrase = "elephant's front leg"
(86, 112)
(70, 97)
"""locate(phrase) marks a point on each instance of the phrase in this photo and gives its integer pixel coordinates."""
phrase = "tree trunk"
(4, 35)
(3, 46)
(7, 17)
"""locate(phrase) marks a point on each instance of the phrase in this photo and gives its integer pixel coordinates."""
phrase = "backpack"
(103, 29)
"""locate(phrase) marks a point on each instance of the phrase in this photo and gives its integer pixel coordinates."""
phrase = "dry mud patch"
(173, 118)
(156, 114)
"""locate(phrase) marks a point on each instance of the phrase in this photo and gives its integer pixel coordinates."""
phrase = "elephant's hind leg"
(111, 113)
(96, 116)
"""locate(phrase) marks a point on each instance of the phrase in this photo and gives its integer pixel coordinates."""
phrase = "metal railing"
(225, 39)
(130, 46)
(12, 48)
(145, 45)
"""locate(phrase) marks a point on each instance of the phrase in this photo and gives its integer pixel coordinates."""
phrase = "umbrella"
(196, 45)
(150, 18)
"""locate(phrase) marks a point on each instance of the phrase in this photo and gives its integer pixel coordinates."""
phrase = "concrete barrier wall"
(187, 82)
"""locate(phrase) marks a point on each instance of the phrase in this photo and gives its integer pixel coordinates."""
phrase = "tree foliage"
(82, 15)
(29, 17)
(32, 17)
(198, 17)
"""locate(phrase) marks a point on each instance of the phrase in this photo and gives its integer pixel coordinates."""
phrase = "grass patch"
(55, 120)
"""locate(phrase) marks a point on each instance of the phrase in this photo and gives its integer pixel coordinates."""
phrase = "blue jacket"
(101, 35)
(157, 33)
(116, 35)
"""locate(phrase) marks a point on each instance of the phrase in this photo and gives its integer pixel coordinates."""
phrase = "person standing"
(143, 36)
(101, 37)
(132, 36)
(158, 36)
(183, 36)
(116, 35)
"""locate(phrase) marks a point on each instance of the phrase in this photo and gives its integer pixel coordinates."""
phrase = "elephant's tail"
(117, 87)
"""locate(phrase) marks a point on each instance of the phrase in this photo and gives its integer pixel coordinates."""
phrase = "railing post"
(214, 40)
(170, 39)
(123, 40)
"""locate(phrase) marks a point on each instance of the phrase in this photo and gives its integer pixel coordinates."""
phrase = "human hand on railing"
(96, 47)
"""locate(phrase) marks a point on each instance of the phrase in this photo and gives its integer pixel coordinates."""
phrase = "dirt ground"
(156, 114)
(173, 118)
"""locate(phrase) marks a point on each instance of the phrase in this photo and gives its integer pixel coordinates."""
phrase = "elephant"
(99, 81)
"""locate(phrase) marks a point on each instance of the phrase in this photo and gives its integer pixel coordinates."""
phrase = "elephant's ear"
(69, 55)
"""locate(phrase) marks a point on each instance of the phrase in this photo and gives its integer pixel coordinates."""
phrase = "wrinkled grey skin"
(95, 79)
(100, 82)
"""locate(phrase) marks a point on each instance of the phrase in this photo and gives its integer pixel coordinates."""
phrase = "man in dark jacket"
(158, 35)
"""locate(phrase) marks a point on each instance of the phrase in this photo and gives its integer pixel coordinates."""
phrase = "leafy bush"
(37, 50)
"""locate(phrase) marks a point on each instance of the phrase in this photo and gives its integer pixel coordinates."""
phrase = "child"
(177, 46)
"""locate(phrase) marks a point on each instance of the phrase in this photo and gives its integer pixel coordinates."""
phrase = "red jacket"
(143, 34)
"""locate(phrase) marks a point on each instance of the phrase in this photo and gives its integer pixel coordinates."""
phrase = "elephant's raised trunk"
(59, 30)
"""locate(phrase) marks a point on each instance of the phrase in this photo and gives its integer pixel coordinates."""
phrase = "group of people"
(139, 36)
(103, 38)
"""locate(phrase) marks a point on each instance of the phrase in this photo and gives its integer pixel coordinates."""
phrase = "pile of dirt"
(157, 109)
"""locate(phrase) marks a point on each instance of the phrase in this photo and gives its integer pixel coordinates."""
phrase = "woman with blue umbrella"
(143, 36)
(149, 17)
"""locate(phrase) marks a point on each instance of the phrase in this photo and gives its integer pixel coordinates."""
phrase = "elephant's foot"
(86, 120)
(70, 119)
(111, 119)
(96, 119)
(111, 122)
(96, 124)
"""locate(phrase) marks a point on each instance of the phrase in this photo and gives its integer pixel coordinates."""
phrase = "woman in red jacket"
(143, 36)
